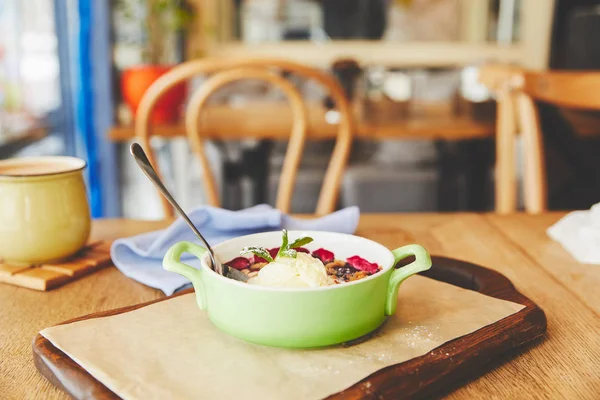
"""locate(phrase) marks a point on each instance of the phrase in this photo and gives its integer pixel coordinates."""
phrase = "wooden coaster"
(48, 276)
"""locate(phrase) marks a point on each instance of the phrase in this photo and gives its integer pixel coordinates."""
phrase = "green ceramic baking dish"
(299, 317)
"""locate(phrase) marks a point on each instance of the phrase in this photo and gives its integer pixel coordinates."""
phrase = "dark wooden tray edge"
(394, 382)
(528, 326)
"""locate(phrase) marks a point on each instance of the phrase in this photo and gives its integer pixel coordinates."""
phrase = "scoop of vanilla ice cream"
(302, 271)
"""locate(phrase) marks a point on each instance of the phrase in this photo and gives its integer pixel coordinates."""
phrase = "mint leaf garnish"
(286, 249)
(301, 242)
(259, 251)
(284, 243)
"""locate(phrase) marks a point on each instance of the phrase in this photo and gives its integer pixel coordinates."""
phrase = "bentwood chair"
(516, 111)
(265, 70)
(517, 89)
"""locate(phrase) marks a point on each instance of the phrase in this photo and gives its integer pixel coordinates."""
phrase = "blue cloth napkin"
(140, 257)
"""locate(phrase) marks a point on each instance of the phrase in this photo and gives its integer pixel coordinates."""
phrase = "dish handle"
(171, 262)
(422, 263)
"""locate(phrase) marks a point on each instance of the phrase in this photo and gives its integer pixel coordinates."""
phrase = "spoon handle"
(142, 160)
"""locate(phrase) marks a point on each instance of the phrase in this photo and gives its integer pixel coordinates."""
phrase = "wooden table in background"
(264, 120)
(565, 365)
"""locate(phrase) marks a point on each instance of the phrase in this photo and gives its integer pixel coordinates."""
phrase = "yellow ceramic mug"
(44, 212)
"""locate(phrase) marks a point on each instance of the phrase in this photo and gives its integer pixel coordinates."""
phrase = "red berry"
(239, 263)
(273, 252)
(302, 250)
(362, 264)
(325, 256)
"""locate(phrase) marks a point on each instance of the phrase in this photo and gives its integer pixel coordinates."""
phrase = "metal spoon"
(142, 160)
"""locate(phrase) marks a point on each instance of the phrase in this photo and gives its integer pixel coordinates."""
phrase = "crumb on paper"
(366, 387)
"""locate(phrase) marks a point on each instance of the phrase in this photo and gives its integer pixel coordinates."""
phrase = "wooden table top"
(263, 120)
(565, 365)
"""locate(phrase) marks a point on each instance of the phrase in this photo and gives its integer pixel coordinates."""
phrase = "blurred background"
(72, 73)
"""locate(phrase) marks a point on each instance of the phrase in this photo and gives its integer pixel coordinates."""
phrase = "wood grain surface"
(45, 277)
(435, 372)
(565, 365)
(269, 120)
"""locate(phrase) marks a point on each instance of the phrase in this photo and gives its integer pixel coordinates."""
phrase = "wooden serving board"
(432, 374)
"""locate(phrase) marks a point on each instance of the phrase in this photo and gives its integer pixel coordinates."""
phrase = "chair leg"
(506, 177)
(534, 175)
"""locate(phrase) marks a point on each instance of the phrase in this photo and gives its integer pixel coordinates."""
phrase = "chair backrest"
(334, 174)
(516, 91)
(297, 138)
(567, 89)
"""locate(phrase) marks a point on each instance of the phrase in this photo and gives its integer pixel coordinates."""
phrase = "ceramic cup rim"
(72, 164)
(385, 268)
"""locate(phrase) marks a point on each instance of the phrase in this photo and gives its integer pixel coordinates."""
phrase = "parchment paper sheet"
(170, 350)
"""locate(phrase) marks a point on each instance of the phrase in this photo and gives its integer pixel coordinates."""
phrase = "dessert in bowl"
(293, 265)
(299, 297)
